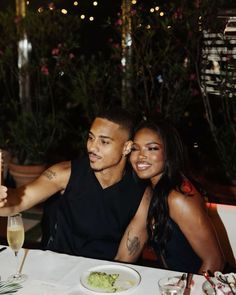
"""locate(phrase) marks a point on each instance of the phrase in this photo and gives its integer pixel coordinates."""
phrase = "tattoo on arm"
(132, 244)
(49, 174)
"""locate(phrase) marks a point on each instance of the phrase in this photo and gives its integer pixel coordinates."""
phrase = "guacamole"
(103, 280)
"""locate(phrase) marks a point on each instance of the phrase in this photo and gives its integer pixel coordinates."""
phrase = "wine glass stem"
(17, 274)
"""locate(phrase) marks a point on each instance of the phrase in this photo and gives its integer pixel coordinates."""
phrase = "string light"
(51, 6)
(40, 9)
(64, 11)
(95, 3)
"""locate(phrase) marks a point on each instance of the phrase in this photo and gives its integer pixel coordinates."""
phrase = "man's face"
(105, 144)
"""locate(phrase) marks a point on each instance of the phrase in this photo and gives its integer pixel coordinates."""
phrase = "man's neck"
(110, 176)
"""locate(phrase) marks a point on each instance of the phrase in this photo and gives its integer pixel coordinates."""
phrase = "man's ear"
(127, 147)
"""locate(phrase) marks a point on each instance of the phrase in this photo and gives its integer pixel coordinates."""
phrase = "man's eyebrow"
(101, 136)
(105, 137)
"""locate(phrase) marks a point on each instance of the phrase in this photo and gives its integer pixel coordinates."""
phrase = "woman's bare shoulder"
(180, 202)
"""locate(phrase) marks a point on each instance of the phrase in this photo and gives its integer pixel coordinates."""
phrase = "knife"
(187, 289)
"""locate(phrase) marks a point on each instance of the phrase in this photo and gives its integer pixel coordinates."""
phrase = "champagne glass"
(15, 239)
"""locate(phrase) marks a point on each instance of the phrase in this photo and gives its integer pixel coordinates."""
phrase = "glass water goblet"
(171, 286)
(15, 239)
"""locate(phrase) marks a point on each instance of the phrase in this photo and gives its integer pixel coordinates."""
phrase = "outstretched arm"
(190, 214)
(52, 180)
(135, 236)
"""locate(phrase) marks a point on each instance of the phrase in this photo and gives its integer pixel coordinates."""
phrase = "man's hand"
(3, 195)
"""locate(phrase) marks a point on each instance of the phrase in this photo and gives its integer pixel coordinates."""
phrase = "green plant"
(35, 121)
(163, 65)
(217, 77)
(95, 85)
(33, 134)
(161, 69)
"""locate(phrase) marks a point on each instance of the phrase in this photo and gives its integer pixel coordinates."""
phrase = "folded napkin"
(221, 289)
(37, 287)
(9, 287)
(225, 283)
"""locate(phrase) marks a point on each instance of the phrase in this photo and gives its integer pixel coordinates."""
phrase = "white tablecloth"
(51, 273)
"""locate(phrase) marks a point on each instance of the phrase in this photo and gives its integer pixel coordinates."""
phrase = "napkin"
(37, 287)
(225, 283)
(9, 287)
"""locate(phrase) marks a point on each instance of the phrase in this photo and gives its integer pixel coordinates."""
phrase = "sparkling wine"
(15, 237)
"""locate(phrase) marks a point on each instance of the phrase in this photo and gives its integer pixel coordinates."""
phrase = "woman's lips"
(142, 166)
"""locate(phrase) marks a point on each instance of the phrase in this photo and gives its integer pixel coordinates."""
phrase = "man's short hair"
(119, 116)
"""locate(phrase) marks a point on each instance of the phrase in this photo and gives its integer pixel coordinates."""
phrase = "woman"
(178, 226)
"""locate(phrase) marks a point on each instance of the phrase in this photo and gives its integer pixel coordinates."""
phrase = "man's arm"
(135, 236)
(52, 180)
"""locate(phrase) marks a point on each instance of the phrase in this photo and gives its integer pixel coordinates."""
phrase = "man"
(100, 194)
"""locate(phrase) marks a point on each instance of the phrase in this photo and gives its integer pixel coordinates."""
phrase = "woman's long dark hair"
(172, 178)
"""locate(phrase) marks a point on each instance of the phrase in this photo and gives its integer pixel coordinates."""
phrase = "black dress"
(179, 254)
(91, 220)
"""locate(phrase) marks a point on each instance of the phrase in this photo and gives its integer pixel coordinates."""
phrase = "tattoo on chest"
(132, 244)
(49, 174)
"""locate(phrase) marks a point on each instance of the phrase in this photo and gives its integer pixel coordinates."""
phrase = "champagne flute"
(15, 239)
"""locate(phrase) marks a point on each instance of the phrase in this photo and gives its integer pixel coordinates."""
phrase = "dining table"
(51, 273)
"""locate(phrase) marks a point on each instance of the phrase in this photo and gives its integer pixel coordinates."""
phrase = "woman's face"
(147, 156)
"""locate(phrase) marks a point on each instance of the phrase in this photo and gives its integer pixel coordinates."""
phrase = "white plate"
(128, 278)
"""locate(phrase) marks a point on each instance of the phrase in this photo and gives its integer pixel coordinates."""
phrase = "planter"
(23, 174)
